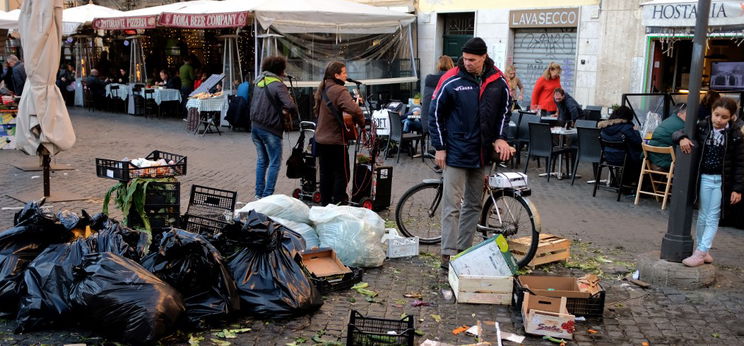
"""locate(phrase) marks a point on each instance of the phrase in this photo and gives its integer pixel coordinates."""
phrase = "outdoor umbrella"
(44, 125)
(74, 17)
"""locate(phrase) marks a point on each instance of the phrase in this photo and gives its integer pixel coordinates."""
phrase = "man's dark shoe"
(445, 262)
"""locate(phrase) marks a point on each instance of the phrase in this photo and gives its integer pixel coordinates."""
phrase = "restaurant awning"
(74, 17)
(198, 14)
(9, 20)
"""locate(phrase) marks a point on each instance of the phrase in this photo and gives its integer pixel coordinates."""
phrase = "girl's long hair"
(331, 71)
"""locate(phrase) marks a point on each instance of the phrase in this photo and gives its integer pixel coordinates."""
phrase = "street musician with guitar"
(338, 116)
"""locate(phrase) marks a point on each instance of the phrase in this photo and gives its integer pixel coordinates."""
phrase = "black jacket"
(733, 159)
(270, 96)
(620, 130)
(430, 83)
(467, 115)
(569, 109)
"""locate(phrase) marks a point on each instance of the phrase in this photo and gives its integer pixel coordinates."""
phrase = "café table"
(200, 111)
(562, 133)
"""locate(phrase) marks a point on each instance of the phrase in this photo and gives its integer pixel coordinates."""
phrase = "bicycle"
(506, 211)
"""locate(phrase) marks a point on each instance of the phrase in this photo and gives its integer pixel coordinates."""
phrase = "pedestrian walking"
(466, 122)
(515, 87)
(269, 106)
(332, 99)
(720, 171)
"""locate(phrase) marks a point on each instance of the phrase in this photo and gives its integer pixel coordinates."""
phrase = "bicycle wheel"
(516, 217)
(417, 213)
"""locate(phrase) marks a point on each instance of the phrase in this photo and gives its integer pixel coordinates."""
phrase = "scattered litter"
(592, 331)
(428, 342)
(361, 288)
(219, 342)
(459, 330)
(512, 337)
(474, 330)
(580, 319)
(437, 318)
(417, 303)
(639, 283)
(231, 333)
(603, 260)
(413, 295)
(35, 177)
(446, 294)
(555, 340)
(645, 343)
(12, 208)
(636, 274)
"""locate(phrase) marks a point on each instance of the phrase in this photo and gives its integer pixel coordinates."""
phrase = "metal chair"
(616, 171)
(656, 185)
(588, 149)
(586, 123)
(541, 145)
(522, 135)
(151, 108)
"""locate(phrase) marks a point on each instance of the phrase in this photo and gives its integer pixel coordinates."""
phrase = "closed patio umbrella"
(44, 126)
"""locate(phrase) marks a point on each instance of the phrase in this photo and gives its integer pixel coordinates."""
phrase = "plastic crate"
(368, 331)
(211, 203)
(342, 282)
(124, 171)
(402, 247)
(162, 195)
(158, 221)
(587, 307)
(200, 225)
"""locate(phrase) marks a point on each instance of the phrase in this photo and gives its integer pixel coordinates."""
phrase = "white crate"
(402, 247)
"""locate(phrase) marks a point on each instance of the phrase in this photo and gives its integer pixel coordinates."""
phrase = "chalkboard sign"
(208, 84)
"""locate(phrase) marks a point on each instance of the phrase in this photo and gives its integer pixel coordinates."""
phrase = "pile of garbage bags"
(62, 270)
(355, 234)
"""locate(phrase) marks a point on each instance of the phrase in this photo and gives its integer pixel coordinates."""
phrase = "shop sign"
(204, 21)
(544, 18)
(684, 14)
(146, 22)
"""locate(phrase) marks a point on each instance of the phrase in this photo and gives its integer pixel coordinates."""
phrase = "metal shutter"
(534, 49)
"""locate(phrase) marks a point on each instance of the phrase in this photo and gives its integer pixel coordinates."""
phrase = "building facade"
(598, 44)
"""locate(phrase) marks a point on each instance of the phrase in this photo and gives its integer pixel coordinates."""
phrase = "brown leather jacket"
(328, 129)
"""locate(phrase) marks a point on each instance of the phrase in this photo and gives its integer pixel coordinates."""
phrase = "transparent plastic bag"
(306, 231)
(354, 233)
(652, 121)
(281, 206)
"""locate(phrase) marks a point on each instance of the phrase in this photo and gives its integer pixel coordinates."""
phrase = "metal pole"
(677, 243)
(255, 47)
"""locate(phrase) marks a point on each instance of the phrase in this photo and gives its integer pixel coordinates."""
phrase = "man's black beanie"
(476, 46)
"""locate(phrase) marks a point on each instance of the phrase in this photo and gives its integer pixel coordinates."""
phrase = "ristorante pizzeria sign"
(684, 14)
(175, 20)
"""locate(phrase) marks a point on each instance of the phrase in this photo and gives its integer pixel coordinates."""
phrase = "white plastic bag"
(306, 231)
(354, 233)
(281, 206)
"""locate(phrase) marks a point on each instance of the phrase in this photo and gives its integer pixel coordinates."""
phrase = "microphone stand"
(294, 97)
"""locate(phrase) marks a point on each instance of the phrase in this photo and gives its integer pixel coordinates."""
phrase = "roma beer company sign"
(684, 14)
(204, 21)
(175, 20)
(544, 18)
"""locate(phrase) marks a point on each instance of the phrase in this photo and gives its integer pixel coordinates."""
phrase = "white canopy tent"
(74, 17)
(9, 20)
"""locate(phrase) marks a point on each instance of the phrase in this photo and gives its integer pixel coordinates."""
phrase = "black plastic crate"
(204, 226)
(211, 203)
(162, 195)
(124, 171)
(587, 307)
(368, 331)
(338, 282)
(159, 221)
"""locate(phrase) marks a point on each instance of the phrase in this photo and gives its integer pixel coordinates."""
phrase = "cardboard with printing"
(324, 263)
(483, 274)
(547, 316)
(553, 286)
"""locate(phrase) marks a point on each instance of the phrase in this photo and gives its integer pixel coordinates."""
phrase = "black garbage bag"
(189, 263)
(48, 282)
(120, 299)
(271, 280)
(123, 241)
(33, 232)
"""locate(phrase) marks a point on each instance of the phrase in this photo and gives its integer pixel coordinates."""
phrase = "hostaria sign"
(175, 20)
(684, 14)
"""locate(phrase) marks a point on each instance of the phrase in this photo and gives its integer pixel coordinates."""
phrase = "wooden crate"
(551, 248)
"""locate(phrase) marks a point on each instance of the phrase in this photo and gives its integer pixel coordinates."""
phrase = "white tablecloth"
(123, 91)
(164, 95)
(214, 104)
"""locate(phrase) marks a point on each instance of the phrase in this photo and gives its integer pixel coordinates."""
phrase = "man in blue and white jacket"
(467, 121)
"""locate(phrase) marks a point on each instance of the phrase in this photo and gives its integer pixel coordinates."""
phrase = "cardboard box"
(547, 316)
(323, 262)
(553, 286)
(484, 273)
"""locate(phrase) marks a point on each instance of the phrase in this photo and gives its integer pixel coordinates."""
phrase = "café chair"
(616, 171)
(660, 181)
(586, 123)
(522, 134)
(541, 145)
(588, 148)
(151, 108)
(403, 139)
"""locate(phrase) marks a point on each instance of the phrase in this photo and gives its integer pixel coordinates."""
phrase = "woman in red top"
(542, 93)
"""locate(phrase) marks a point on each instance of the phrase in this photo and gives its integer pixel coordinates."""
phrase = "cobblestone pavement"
(606, 234)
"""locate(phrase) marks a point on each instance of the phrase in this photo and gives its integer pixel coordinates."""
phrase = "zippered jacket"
(270, 97)
(467, 114)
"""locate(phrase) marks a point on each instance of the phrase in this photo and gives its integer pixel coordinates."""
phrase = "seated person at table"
(96, 86)
(412, 122)
(662, 137)
(568, 109)
(168, 82)
(122, 77)
(617, 129)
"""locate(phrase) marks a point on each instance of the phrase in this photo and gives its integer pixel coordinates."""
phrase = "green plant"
(417, 96)
(614, 107)
(132, 195)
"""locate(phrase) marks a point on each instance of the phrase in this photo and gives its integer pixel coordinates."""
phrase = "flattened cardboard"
(323, 262)
(553, 286)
